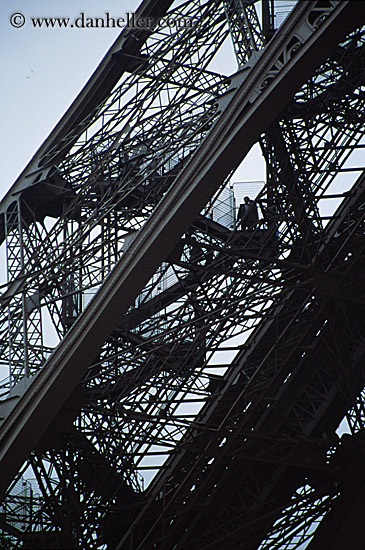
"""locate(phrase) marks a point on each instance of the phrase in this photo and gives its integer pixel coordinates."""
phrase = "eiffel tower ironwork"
(204, 364)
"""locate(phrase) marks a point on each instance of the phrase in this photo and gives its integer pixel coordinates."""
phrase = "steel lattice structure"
(203, 368)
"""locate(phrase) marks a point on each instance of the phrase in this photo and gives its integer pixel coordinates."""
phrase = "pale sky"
(43, 69)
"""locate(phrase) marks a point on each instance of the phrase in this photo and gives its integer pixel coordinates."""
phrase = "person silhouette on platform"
(248, 214)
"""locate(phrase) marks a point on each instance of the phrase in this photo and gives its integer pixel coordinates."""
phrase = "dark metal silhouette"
(203, 367)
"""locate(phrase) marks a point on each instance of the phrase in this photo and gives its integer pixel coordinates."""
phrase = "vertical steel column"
(25, 339)
(17, 338)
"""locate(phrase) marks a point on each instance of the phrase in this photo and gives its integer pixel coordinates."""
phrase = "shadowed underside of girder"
(194, 402)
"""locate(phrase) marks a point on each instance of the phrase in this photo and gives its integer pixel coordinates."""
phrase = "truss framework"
(244, 350)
